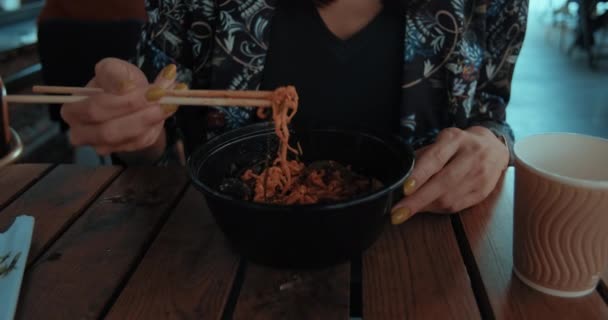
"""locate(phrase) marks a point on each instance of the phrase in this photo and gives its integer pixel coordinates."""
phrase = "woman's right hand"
(127, 116)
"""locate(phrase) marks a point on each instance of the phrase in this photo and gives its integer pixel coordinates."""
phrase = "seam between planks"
(602, 289)
(27, 187)
(356, 288)
(235, 291)
(147, 245)
(477, 285)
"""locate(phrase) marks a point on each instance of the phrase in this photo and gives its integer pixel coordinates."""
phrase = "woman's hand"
(456, 172)
(127, 116)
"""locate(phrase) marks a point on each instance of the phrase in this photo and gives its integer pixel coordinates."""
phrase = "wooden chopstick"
(246, 94)
(65, 90)
(182, 101)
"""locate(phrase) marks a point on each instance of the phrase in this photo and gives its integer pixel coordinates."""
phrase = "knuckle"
(477, 147)
(447, 204)
(482, 155)
(107, 135)
(132, 104)
(102, 151)
(452, 176)
(484, 173)
(451, 133)
(453, 208)
(66, 114)
(136, 102)
(482, 183)
(101, 65)
(438, 155)
(91, 113)
(91, 109)
(152, 116)
(104, 64)
(444, 203)
(484, 193)
(130, 148)
(422, 174)
(74, 138)
(148, 140)
(477, 197)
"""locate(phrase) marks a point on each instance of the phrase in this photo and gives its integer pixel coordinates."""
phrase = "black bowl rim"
(262, 129)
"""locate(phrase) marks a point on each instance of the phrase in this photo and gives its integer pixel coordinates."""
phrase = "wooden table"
(139, 243)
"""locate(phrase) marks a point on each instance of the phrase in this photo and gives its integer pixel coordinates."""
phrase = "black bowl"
(302, 236)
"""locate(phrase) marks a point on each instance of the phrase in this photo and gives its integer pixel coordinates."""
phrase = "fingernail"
(155, 94)
(181, 86)
(398, 216)
(169, 108)
(127, 86)
(169, 72)
(409, 186)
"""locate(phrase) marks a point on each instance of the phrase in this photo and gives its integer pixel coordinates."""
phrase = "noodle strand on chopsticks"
(290, 181)
(284, 107)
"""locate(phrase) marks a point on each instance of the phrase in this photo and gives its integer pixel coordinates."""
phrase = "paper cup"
(561, 213)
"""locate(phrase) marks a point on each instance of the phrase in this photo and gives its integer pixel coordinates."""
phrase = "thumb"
(118, 76)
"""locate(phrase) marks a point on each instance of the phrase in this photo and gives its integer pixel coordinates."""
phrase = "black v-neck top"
(353, 83)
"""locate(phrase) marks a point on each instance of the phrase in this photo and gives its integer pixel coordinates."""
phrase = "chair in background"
(564, 19)
(591, 23)
(584, 23)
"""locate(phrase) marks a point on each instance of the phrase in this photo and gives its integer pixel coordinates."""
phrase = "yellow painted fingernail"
(409, 186)
(181, 86)
(169, 72)
(155, 93)
(399, 216)
(127, 86)
(169, 108)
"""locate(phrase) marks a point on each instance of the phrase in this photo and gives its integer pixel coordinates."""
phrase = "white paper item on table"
(16, 240)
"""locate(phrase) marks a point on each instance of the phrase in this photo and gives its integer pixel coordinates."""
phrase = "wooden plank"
(187, 273)
(56, 201)
(489, 230)
(80, 274)
(415, 271)
(16, 178)
(280, 294)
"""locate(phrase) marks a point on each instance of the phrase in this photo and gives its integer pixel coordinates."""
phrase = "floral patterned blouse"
(458, 61)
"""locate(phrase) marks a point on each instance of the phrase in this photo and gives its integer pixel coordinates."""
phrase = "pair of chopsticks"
(223, 98)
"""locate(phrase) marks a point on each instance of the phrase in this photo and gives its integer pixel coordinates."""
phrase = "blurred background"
(560, 84)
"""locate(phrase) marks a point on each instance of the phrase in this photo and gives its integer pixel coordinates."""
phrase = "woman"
(436, 72)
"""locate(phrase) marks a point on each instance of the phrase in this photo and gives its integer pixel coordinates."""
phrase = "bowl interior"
(385, 159)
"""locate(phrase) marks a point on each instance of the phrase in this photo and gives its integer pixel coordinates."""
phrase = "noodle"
(284, 108)
(290, 181)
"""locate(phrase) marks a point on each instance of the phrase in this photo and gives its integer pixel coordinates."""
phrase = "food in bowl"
(300, 235)
(319, 182)
(286, 181)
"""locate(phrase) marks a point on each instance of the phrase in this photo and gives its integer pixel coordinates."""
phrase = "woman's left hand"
(456, 172)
